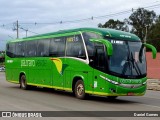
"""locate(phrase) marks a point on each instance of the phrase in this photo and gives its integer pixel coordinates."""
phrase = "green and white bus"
(84, 61)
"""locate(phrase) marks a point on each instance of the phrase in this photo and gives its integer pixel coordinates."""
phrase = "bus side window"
(75, 47)
(31, 48)
(20, 48)
(43, 48)
(57, 47)
(90, 45)
(11, 49)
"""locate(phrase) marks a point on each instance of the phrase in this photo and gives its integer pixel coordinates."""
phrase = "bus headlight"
(111, 81)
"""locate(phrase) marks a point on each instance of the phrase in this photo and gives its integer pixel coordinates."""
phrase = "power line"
(26, 30)
(92, 18)
(33, 32)
(17, 25)
(6, 25)
(151, 6)
(84, 19)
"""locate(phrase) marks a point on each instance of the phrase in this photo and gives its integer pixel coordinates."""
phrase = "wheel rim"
(80, 90)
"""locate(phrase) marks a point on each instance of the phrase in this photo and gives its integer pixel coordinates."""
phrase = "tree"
(153, 36)
(114, 24)
(141, 20)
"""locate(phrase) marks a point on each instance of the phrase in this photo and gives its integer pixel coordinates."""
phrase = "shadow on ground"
(103, 99)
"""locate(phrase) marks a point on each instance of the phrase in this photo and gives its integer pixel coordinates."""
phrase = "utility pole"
(17, 25)
(145, 39)
(26, 32)
(16, 28)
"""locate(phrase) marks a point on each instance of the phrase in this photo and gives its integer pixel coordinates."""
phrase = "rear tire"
(79, 90)
(23, 82)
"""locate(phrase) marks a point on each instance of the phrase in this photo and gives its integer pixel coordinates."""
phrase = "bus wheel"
(79, 89)
(23, 83)
(111, 97)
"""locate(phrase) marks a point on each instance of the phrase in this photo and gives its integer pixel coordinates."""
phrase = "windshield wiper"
(141, 53)
(131, 63)
(127, 64)
(137, 67)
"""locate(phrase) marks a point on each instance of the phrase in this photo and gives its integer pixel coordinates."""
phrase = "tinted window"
(100, 57)
(20, 49)
(31, 48)
(43, 47)
(75, 47)
(57, 47)
(89, 35)
(126, 61)
(11, 48)
(89, 44)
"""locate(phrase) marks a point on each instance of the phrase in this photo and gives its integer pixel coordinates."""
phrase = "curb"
(153, 84)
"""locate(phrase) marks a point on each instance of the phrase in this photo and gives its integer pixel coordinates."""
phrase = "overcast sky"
(53, 11)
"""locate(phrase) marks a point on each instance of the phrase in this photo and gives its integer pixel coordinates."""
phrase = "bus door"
(99, 68)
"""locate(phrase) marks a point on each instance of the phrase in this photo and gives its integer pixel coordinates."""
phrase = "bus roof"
(110, 33)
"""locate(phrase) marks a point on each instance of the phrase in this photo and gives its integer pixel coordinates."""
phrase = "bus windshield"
(125, 61)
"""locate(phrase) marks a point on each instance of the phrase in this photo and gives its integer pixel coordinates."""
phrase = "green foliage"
(153, 36)
(144, 23)
(115, 24)
(140, 19)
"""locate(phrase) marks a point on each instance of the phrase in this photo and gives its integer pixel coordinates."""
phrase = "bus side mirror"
(154, 51)
(108, 45)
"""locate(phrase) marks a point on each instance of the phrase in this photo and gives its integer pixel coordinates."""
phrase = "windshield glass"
(125, 61)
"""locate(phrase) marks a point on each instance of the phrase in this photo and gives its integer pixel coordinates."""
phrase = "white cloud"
(44, 11)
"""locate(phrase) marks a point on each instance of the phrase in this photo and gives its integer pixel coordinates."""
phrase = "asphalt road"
(12, 98)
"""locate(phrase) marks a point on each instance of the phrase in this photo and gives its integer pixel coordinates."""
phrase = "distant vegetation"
(142, 22)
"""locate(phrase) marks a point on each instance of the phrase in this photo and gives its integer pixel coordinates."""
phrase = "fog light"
(130, 94)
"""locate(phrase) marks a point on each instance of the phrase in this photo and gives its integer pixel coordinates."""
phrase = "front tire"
(79, 90)
(23, 82)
